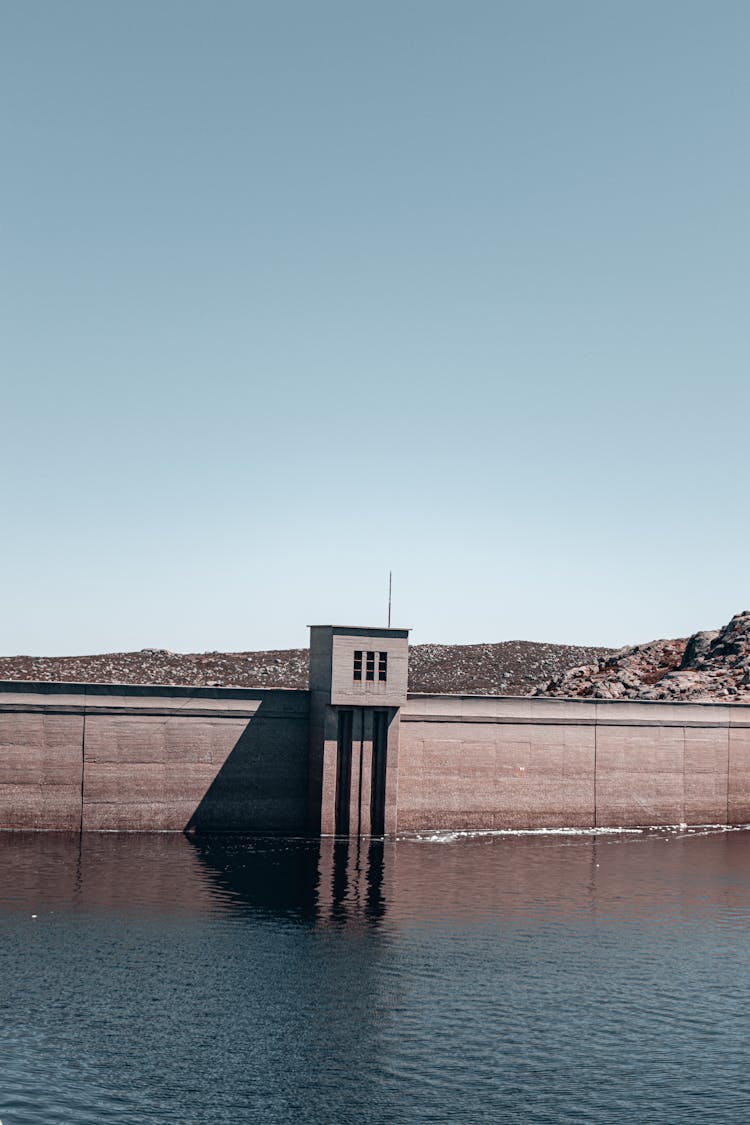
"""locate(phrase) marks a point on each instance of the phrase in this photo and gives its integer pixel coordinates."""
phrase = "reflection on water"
(499, 979)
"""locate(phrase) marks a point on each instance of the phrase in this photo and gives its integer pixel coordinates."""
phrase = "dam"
(358, 755)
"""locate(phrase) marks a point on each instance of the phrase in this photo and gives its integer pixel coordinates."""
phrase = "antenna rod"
(390, 590)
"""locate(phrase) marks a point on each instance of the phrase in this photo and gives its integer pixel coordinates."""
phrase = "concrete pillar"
(363, 797)
(391, 773)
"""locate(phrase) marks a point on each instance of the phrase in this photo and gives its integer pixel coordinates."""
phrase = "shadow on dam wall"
(113, 758)
(262, 784)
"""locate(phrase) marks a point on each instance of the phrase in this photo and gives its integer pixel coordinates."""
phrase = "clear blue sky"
(294, 293)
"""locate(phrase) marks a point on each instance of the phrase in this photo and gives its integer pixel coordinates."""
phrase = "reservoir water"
(554, 978)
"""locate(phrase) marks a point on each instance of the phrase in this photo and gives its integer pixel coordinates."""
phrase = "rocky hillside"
(509, 668)
(708, 665)
(712, 665)
(284, 668)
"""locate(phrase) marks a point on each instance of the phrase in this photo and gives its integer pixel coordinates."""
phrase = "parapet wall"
(97, 757)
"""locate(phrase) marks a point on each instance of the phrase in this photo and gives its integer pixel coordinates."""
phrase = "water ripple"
(560, 978)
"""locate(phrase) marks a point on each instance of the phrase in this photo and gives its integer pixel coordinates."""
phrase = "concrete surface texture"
(530, 763)
(82, 757)
(344, 759)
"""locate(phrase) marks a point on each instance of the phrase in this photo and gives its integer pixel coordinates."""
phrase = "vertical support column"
(379, 764)
(356, 782)
(359, 814)
(322, 769)
(391, 773)
(345, 772)
(365, 791)
(328, 779)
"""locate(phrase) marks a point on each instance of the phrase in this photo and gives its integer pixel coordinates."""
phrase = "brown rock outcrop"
(709, 665)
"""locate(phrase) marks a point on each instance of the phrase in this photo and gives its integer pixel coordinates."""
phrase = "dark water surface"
(486, 979)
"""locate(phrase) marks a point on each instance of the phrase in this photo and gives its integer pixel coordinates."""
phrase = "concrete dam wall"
(94, 757)
(473, 762)
(77, 757)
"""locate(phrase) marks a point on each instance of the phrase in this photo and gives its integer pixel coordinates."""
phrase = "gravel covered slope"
(508, 668)
(712, 665)
(286, 668)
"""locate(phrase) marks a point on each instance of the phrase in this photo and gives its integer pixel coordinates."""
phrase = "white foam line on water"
(448, 836)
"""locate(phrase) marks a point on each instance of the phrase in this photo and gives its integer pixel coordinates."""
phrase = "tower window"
(382, 665)
(358, 664)
(370, 668)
